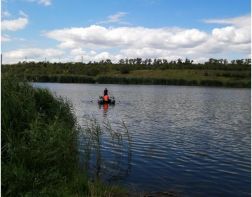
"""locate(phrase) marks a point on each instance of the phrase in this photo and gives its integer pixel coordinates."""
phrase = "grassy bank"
(226, 75)
(149, 79)
(39, 151)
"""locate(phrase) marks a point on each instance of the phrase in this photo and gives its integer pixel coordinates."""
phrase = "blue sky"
(164, 28)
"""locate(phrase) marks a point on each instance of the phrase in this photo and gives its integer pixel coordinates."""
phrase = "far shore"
(217, 74)
(135, 80)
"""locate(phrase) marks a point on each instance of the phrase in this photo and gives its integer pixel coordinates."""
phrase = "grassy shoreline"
(39, 150)
(238, 83)
(208, 74)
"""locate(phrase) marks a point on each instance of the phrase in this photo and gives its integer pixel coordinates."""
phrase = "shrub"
(125, 69)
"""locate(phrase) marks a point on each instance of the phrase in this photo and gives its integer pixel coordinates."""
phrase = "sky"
(94, 30)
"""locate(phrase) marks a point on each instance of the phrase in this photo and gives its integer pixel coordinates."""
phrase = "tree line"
(158, 61)
(124, 66)
(217, 72)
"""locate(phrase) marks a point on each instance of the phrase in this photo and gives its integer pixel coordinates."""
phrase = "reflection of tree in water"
(108, 151)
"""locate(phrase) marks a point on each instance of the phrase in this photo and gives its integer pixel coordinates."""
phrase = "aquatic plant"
(120, 141)
(39, 146)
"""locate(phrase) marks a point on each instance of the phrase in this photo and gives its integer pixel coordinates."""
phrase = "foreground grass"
(39, 152)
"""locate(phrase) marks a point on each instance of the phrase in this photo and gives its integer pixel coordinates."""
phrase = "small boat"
(111, 101)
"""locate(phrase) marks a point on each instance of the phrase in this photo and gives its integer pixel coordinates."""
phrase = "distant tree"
(179, 61)
(155, 61)
(239, 61)
(108, 61)
(213, 61)
(159, 62)
(121, 61)
(220, 61)
(131, 61)
(149, 61)
(187, 61)
(102, 62)
(145, 62)
(138, 60)
(164, 61)
(247, 61)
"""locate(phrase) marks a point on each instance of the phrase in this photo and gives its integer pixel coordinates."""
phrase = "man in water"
(105, 91)
(106, 97)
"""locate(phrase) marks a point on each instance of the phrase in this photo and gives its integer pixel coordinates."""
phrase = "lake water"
(192, 140)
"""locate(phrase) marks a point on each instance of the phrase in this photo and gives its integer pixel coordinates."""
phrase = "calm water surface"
(193, 140)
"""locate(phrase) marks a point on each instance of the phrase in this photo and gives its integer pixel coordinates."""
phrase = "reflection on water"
(113, 165)
(194, 140)
(105, 108)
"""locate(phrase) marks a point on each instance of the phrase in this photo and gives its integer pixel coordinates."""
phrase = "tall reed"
(39, 146)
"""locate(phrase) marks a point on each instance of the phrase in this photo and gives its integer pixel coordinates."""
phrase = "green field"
(187, 74)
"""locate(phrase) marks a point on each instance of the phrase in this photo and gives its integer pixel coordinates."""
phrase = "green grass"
(39, 151)
(186, 74)
(230, 75)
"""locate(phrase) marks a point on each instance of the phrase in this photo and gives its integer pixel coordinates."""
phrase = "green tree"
(121, 61)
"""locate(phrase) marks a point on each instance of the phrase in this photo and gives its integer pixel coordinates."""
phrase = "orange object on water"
(106, 98)
(105, 107)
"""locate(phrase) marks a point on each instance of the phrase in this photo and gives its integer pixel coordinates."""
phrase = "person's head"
(105, 91)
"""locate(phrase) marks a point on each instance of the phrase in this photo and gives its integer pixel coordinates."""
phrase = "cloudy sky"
(91, 30)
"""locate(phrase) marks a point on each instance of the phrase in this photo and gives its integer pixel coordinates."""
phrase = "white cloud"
(5, 38)
(45, 2)
(96, 42)
(236, 21)
(127, 37)
(116, 18)
(8, 38)
(31, 54)
(23, 14)
(15, 24)
(231, 34)
(79, 55)
(238, 31)
(5, 14)
(42, 2)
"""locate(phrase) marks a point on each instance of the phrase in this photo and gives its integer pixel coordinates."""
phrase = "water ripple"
(192, 140)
